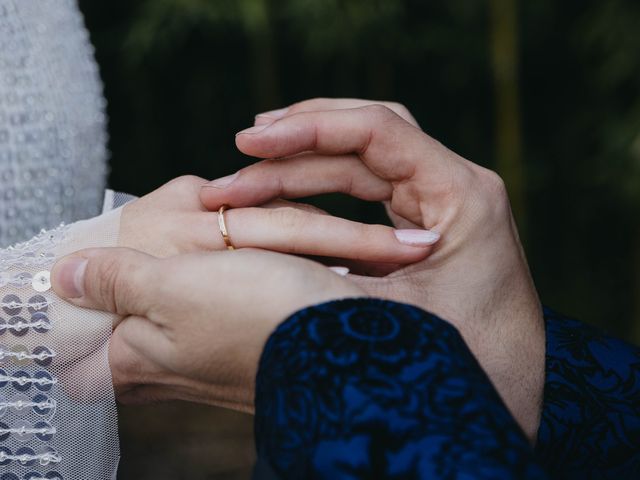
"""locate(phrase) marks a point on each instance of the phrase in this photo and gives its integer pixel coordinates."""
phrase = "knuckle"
(383, 116)
(494, 197)
(404, 113)
(123, 359)
(292, 224)
(288, 218)
(299, 106)
(311, 104)
(494, 185)
(104, 282)
(109, 281)
(185, 183)
(296, 107)
(399, 108)
(378, 110)
(267, 173)
(369, 245)
(369, 241)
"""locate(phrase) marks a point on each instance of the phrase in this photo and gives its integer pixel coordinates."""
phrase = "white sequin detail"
(52, 119)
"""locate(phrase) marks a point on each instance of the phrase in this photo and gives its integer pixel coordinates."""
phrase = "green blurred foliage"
(608, 37)
(182, 76)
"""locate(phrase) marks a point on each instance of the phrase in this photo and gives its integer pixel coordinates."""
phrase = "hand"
(172, 220)
(476, 276)
(192, 327)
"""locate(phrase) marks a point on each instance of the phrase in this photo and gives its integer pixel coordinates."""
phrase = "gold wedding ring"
(223, 228)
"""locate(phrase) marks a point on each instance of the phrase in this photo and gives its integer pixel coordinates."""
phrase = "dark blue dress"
(364, 389)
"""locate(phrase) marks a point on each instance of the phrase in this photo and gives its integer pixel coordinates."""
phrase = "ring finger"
(290, 229)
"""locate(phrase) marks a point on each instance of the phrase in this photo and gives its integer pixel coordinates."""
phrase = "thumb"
(115, 280)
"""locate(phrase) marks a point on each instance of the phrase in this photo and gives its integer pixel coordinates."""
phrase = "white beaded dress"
(52, 119)
(57, 406)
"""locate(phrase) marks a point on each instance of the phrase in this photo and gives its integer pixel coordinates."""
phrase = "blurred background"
(547, 93)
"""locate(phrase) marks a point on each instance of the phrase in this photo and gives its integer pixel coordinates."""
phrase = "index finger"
(385, 142)
(324, 104)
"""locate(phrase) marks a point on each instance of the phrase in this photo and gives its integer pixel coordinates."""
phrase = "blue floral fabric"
(590, 426)
(364, 389)
(361, 389)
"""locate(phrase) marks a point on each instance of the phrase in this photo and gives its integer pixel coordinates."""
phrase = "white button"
(41, 281)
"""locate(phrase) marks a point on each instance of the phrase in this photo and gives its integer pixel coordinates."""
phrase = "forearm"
(365, 387)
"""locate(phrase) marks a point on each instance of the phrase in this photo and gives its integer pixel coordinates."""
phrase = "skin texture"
(198, 334)
(476, 276)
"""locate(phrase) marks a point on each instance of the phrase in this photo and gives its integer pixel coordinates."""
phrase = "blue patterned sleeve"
(590, 426)
(360, 389)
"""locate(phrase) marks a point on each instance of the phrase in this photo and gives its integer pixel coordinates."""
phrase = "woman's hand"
(476, 276)
(172, 220)
(193, 326)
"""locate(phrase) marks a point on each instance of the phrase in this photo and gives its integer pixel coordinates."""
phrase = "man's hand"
(476, 276)
(193, 327)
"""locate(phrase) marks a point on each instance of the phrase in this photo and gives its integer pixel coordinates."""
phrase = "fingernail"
(281, 112)
(417, 238)
(342, 271)
(253, 130)
(222, 182)
(68, 277)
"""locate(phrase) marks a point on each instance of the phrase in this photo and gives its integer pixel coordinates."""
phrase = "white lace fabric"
(58, 418)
